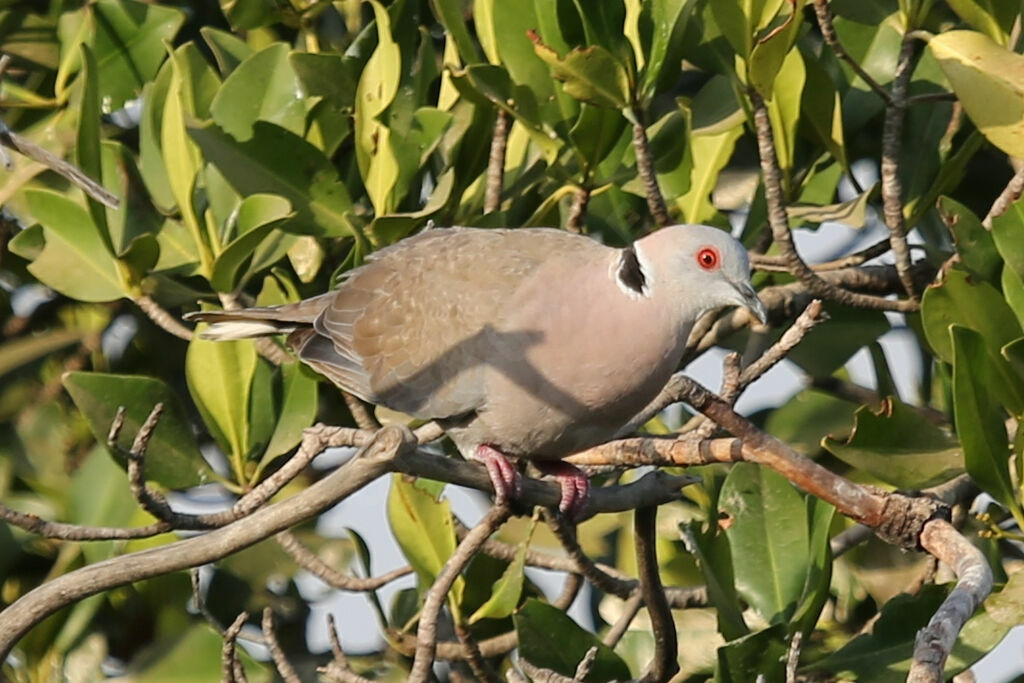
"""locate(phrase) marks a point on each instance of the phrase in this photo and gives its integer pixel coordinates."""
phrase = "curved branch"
(375, 460)
(974, 583)
(666, 648)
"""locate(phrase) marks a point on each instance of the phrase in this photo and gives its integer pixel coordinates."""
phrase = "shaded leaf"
(589, 74)
(536, 623)
(172, 457)
(506, 591)
(264, 87)
(257, 216)
(298, 410)
(974, 243)
(899, 446)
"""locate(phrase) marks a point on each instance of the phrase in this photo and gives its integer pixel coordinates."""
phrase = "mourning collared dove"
(531, 343)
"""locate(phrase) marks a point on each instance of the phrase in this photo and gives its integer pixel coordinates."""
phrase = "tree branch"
(161, 317)
(281, 663)
(496, 163)
(892, 188)
(308, 560)
(1007, 197)
(645, 169)
(828, 32)
(426, 633)
(665, 663)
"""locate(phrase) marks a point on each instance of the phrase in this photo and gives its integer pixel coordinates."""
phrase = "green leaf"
(974, 243)
(1008, 234)
(742, 20)
(451, 15)
(264, 87)
(979, 421)
(537, 623)
(99, 496)
(595, 134)
(852, 212)
(88, 143)
(988, 80)
(899, 446)
(257, 216)
(172, 457)
(768, 532)
(821, 107)
(590, 74)
(763, 652)
(424, 529)
(21, 351)
(219, 376)
(885, 654)
(1006, 607)
(227, 49)
(994, 18)
(507, 590)
(298, 410)
(784, 110)
(275, 161)
(714, 556)
(190, 654)
(819, 570)
(129, 45)
(662, 23)
(807, 418)
(74, 261)
(848, 330)
(1013, 290)
(973, 304)
(768, 55)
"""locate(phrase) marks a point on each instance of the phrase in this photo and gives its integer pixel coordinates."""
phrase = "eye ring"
(708, 258)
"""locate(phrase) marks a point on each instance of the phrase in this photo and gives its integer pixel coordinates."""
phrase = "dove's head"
(702, 267)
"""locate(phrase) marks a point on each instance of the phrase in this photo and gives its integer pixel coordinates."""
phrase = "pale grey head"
(701, 267)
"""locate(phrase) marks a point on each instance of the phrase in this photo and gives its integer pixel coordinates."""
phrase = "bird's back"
(413, 328)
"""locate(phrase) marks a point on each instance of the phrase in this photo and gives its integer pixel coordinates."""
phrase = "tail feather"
(259, 322)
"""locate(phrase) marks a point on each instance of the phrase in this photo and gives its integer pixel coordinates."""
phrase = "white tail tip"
(241, 329)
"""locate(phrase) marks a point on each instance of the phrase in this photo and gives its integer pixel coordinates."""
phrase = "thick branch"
(375, 460)
(974, 583)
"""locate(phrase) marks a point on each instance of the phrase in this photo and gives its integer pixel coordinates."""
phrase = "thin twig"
(645, 169)
(161, 317)
(308, 560)
(793, 656)
(630, 608)
(72, 173)
(586, 664)
(892, 141)
(665, 662)
(150, 500)
(566, 535)
(477, 664)
(231, 666)
(496, 163)
(426, 632)
(284, 667)
(776, 264)
(779, 222)
(1007, 197)
(828, 33)
(338, 669)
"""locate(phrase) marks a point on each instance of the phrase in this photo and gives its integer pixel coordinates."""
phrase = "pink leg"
(507, 482)
(575, 486)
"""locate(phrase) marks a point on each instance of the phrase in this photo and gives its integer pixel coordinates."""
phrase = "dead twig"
(231, 667)
(308, 560)
(281, 663)
(426, 632)
(338, 669)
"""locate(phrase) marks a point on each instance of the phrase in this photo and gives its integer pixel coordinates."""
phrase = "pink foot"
(507, 482)
(575, 486)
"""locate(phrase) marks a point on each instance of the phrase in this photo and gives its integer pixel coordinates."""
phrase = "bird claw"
(505, 477)
(575, 487)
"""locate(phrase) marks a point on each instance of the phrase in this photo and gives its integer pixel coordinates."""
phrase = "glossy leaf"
(589, 74)
(767, 527)
(1008, 234)
(129, 45)
(536, 622)
(275, 161)
(973, 304)
(988, 80)
(979, 422)
(507, 590)
(227, 49)
(742, 20)
(899, 446)
(172, 457)
(661, 34)
(424, 529)
(298, 410)
(1013, 290)
(264, 87)
(991, 17)
(974, 243)
(219, 378)
(74, 261)
(257, 216)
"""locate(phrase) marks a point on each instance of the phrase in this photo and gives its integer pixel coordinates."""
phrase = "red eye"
(708, 258)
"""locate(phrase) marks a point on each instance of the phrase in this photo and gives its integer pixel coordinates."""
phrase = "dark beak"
(749, 299)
